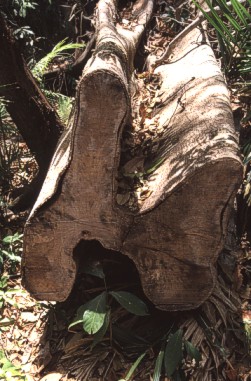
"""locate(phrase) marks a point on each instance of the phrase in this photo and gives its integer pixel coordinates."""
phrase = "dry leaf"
(52, 377)
(135, 164)
(75, 341)
(29, 317)
(122, 199)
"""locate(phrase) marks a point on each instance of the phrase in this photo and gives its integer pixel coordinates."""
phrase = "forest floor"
(36, 342)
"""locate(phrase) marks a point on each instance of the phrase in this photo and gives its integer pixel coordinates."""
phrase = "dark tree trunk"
(36, 120)
(176, 235)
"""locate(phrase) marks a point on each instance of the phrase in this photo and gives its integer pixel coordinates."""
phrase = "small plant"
(6, 293)
(8, 371)
(62, 103)
(9, 150)
(25, 33)
(60, 50)
(11, 249)
(95, 314)
(174, 350)
(233, 28)
(22, 6)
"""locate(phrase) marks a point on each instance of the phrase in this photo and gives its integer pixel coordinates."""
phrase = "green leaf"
(8, 239)
(5, 322)
(3, 282)
(7, 364)
(216, 22)
(173, 352)
(94, 315)
(11, 256)
(158, 365)
(79, 316)
(59, 50)
(130, 302)
(101, 333)
(192, 351)
(12, 238)
(239, 11)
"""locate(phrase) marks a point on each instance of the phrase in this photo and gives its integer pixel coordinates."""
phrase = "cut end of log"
(175, 245)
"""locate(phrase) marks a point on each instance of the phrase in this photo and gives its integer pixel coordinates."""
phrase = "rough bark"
(35, 119)
(176, 236)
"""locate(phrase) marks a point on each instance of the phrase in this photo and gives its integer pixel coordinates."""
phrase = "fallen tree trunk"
(176, 234)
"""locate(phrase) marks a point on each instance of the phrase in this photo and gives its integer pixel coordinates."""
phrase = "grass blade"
(133, 367)
(158, 365)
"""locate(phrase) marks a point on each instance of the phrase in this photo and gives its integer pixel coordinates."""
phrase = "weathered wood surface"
(176, 236)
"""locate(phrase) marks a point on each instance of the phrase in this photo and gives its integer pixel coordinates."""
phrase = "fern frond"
(59, 50)
(61, 103)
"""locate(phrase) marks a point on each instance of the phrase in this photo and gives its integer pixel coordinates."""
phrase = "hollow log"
(176, 234)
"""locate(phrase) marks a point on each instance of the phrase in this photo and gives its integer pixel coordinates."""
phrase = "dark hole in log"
(120, 271)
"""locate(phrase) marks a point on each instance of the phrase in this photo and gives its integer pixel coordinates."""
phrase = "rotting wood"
(175, 237)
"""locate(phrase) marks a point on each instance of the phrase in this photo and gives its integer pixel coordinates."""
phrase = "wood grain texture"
(176, 236)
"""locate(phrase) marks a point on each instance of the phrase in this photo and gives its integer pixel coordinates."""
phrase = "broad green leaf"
(130, 302)
(7, 364)
(158, 365)
(173, 352)
(101, 333)
(79, 316)
(76, 321)
(192, 351)
(95, 312)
